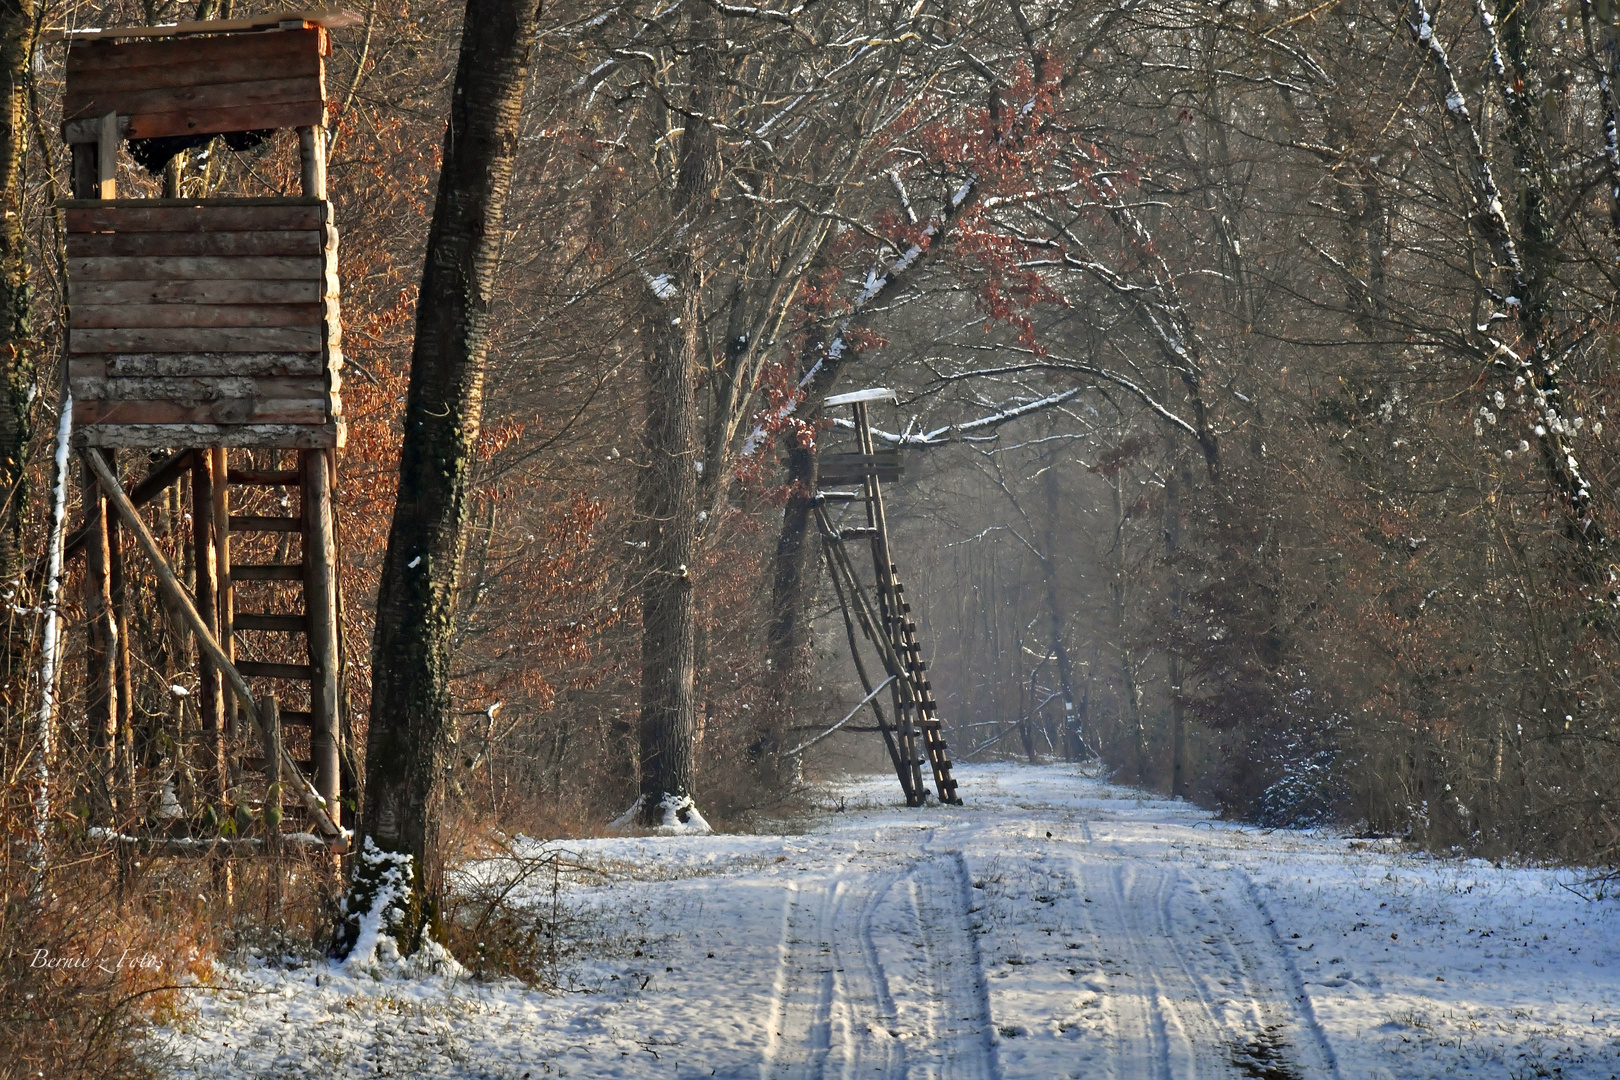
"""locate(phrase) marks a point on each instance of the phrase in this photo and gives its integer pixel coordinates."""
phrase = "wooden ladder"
(918, 737)
(314, 570)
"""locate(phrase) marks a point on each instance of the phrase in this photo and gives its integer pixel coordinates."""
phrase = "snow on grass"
(1054, 926)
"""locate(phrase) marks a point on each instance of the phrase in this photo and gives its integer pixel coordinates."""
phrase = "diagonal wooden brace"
(317, 806)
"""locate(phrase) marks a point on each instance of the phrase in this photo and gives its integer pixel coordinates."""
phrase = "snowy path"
(1054, 927)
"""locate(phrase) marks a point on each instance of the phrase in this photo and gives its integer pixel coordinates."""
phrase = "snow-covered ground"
(1055, 926)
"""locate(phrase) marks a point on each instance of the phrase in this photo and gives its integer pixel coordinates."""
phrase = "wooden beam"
(155, 481)
(328, 18)
(321, 610)
(312, 158)
(200, 847)
(278, 436)
(317, 806)
(108, 136)
(101, 685)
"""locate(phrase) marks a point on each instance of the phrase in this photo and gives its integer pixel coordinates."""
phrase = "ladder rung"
(857, 532)
(248, 620)
(268, 572)
(263, 477)
(257, 523)
(259, 670)
(259, 764)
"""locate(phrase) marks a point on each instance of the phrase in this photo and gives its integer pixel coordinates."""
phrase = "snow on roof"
(876, 393)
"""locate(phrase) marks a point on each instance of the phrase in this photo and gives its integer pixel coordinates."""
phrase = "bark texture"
(411, 710)
(793, 586)
(16, 353)
(667, 492)
(16, 45)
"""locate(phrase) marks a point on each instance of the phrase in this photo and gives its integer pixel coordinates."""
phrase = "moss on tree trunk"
(411, 708)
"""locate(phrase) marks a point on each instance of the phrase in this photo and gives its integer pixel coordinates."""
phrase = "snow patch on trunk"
(376, 951)
(679, 816)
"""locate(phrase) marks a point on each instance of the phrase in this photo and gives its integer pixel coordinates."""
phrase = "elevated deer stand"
(205, 332)
(915, 737)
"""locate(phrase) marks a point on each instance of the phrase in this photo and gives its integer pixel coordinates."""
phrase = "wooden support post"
(901, 770)
(321, 615)
(908, 715)
(211, 692)
(123, 746)
(206, 642)
(107, 157)
(224, 594)
(312, 156)
(270, 711)
(101, 684)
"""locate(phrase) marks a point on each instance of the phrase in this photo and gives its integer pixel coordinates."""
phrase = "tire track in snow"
(1272, 1012)
(832, 1010)
(799, 1031)
(961, 1039)
(1150, 1040)
(1201, 982)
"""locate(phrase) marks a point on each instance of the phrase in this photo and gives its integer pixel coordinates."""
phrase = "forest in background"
(1253, 365)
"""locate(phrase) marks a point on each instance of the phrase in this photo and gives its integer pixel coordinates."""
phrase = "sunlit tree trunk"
(411, 709)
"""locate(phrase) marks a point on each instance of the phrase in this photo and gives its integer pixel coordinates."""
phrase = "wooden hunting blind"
(209, 321)
(205, 332)
(854, 480)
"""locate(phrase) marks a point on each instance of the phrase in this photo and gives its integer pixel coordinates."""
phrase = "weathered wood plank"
(201, 339)
(328, 18)
(262, 523)
(268, 572)
(211, 202)
(241, 411)
(203, 268)
(201, 292)
(114, 316)
(141, 104)
(194, 390)
(235, 215)
(147, 436)
(254, 669)
(172, 244)
(263, 477)
(108, 68)
(145, 106)
(246, 118)
(190, 365)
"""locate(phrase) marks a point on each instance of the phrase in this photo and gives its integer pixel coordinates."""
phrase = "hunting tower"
(204, 343)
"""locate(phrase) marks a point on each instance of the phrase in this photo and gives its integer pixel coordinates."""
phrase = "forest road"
(934, 953)
(1055, 927)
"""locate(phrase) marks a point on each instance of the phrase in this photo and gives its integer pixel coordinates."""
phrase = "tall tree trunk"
(16, 352)
(1054, 611)
(411, 714)
(793, 587)
(666, 501)
(1172, 653)
(16, 48)
(667, 494)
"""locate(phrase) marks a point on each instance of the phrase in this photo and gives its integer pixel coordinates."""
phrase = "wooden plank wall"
(185, 86)
(204, 322)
